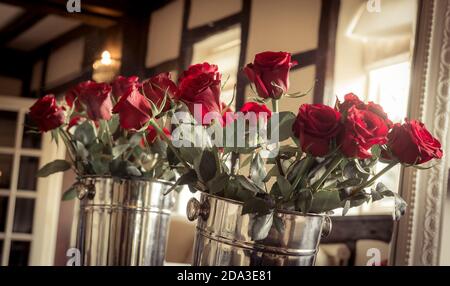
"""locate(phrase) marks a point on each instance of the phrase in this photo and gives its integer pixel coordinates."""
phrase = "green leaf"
(324, 201)
(119, 150)
(85, 133)
(70, 194)
(347, 206)
(261, 226)
(257, 171)
(219, 183)
(53, 167)
(350, 183)
(256, 205)
(133, 171)
(376, 151)
(279, 224)
(113, 123)
(186, 179)
(247, 184)
(305, 199)
(285, 187)
(284, 126)
(272, 173)
(206, 167)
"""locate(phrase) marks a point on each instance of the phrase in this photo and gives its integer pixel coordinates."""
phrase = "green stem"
(169, 143)
(309, 160)
(275, 106)
(374, 178)
(333, 165)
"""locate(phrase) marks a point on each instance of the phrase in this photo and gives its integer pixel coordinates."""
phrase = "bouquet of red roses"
(110, 129)
(329, 165)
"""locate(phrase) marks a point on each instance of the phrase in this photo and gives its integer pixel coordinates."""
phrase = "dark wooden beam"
(101, 16)
(305, 59)
(326, 51)
(13, 63)
(186, 48)
(245, 27)
(199, 33)
(134, 48)
(19, 25)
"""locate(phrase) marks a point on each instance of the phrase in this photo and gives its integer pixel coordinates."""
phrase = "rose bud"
(269, 72)
(412, 143)
(260, 110)
(94, 97)
(121, 85)
(46, 113)
(134, 110)
(157, 87)
(316, 126)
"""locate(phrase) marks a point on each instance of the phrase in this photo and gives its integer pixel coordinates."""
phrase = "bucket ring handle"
(196, 209)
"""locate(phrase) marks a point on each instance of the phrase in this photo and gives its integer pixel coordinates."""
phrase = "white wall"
(65, 62)
(206, 11)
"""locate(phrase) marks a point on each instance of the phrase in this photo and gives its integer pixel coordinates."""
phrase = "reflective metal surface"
(123, 222)
(224, 236)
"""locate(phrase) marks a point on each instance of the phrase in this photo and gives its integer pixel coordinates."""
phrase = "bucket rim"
(282, 211)
(84, 177)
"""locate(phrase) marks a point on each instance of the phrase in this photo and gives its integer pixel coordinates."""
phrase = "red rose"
(157, 87)
(134, 110)
(199, 69)
(377, 109)
(121, 85)
(152, 134)
(74, 121)
(270, 73)
(411, 143)
(363, 129)
(94, 97)
(257, 109)
(201, 86)
(46, 113)
(316, 126)
(350, 100)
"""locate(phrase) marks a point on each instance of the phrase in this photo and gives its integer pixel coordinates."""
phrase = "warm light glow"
(106, 58)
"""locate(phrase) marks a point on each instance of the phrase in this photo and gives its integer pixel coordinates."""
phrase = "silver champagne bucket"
(122, 222)
(224, 236)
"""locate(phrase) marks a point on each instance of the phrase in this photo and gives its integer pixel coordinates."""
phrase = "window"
(28, 206)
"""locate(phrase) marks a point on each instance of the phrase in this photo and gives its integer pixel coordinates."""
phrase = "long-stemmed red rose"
(200, 85)
(362, 129)
(269, 72)
(411, 143)
(46, 113)
(134, 110)
(316, 126)
(94, 97)
(156, 88)
(122, 85)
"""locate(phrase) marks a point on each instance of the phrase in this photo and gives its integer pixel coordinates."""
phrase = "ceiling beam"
(19, 25)
(101, 16)
(13, 63)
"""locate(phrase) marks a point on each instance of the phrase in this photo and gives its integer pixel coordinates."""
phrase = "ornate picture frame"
(417, 236)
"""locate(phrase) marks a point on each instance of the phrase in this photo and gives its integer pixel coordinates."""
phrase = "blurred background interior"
(342, 46)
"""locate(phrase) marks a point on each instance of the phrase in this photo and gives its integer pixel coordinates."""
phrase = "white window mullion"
(13, 188)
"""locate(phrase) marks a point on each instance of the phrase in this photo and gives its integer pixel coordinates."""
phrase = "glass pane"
(30, 139)
(3, 212)
(18, 255)
(27, 173)
(6, 162)
(8, 122)
(23, 216)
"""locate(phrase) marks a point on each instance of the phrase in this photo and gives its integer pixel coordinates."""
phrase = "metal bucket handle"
(196, 209)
